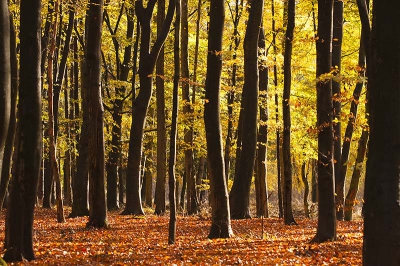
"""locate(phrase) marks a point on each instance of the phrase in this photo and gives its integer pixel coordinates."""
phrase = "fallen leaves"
(131, 241)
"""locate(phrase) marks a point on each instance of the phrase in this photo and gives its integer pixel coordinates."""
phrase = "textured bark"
(19, 224)
(239, 198)
(97, 194)
(286, 146)
(9, 145)
(5, 79)
(355, 178)
(148, 59)
(173, 134)
(221, 222)
(337, 105)
(161, 131)
(326, 230)
(306, 190)
(382, 195)
(261, 162)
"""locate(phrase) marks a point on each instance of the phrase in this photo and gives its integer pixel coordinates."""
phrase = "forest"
(187, 132)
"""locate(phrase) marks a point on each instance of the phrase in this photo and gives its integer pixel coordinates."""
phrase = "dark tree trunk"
(172, 147)
(314, 181)
(5, 78)
(221, 222)
(326, 230)
(337, 105)
(67, 161)
(306, 190)
(161, 130)
(97, 196)
(192, 201)
(278, 155)
(240, 193)
(261, 163)
(19, 224)
(286, 146)
(148, 59)
(355, 178)
(381, 207)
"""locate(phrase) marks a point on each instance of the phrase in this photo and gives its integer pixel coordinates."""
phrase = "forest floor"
(143, 241)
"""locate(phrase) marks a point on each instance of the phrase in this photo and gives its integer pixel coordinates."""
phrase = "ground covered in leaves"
(143, 240)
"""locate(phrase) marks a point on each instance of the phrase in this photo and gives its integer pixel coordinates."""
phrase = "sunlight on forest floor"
(143, 240)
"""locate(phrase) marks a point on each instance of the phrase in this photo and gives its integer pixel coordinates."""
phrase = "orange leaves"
(131, 241)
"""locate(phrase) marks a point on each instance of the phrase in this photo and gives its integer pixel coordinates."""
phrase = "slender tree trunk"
(337, 105)
(240, 193)
(314, 181)
(148, 59)
(261, 163)
(161, 130)
(306, 190)
(382, 181)
(286, 146)
(326, 230)
(19, 224)
(355, 178)
(172, 147)
(97, 196)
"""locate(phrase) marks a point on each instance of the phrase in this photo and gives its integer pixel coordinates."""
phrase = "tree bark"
(381, 196)
(337, 105)
(326, 230)
(19, 224)
(97, 196)
(240, 193)
(148, 59)
(221, 222)
(306, 190)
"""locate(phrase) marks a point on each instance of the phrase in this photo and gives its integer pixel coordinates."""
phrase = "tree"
(5, 79)
(159, 198)
(286, 152)
(19, 220)
(147, 62)
(97, 196)
(326, 229)
(221, 222)
(239, 198)
(172, 147)
(337, 105)
(381, 207)
(261, 158)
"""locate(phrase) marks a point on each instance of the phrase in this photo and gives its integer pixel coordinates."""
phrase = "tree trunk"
(19, 224)
(355, 178)
(221, 222)
(97, 196)
(306, 190)
(314, 181)
(381, 207)
(148, 59)
(240, 192)
(286, 146)
(5, 168)
(326, 230)
(261, 163)
(172, 147)
(337, 105)
(161, 130)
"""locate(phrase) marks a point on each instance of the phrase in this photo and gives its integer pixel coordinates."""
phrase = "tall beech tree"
(240, 193)
(159, 198)
(174, 131)
(381, 196)
(220, 214)
(19, 218)
(9, 145)
(261, 158)
(97, 196)
(337, 105)
(286, 146)
(326, 229)
(5, 78)
(147, 62)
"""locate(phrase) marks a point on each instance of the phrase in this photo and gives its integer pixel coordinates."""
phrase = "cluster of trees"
(92, 52)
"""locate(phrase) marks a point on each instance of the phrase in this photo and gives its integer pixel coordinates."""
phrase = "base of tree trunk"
(132, 212)
(220, 231)
(97, 224)
(13, 254)
(79, 213)
(322, 239)
(239, 216)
